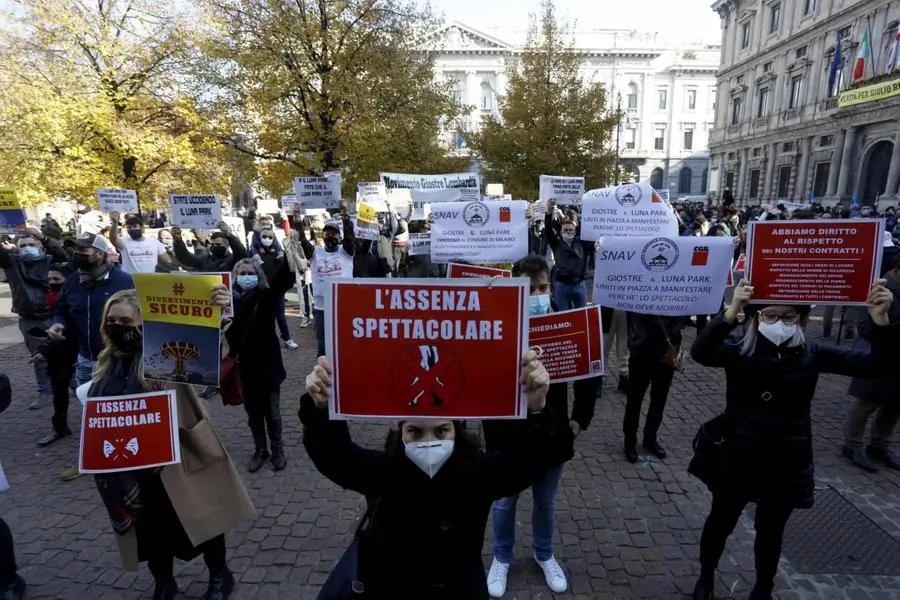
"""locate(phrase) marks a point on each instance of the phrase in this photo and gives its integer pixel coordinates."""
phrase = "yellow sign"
(178, 298)
(8, 199)
(366, 213)
(870, 93)
(12, 219)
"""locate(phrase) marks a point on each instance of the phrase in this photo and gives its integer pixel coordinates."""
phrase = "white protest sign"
(469, 184)
(479, 232)
(195, 211)
(667, 276)
(114, 200)
(400, 201)
(628, 210)
(566, 191)
(493, 189)
(318, 192)
(373, 194)
(267, 206)
(422, 201)
(419, 244)
(287, 202)
(489, 198)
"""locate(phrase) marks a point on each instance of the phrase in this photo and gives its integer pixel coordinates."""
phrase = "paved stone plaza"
(623, 531)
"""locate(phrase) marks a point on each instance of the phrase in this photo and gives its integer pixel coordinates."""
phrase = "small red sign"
(572, 343)
(741, 264)
(449, 349)
(505, 214)
(814, 262)
(124, 433)
(700, 257)
(456, 270)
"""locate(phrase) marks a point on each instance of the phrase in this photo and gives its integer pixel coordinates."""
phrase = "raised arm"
(550, 235)
(349, 241)
(114, 238)
(185, 256)
(709, 348)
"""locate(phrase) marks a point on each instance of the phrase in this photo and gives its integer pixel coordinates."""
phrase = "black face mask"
(56, 286)
(331, 244)
(126, 338)
(217, 252)
(82, 262)
(136, 234)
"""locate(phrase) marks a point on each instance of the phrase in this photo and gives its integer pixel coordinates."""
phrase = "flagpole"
(871, 45)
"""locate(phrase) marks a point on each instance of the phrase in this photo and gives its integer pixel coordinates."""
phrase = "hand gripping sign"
(447, 349)
(124, 433)
(814, 262)
(572, 342)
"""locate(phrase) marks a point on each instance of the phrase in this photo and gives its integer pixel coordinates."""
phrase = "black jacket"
(647, 335)
(259, 357)
(883, 390)
(767, 451)
(569, 258)
(28, 281)
(426, 535)
(207, 263)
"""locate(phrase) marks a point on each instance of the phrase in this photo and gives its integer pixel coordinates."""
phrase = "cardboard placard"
(565, 191)
(571, 341)
(318, 192)
(195, 211)
(634, 209)
(456, 270)
(479, 232)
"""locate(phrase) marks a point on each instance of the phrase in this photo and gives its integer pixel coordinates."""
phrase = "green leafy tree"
(551, 121)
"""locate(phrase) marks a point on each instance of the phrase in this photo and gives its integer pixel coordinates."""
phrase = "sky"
(672, 19)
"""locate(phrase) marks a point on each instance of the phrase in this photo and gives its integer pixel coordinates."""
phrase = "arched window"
(636, 175)
(487, 96)
(632, 96)
(704, 181)
(656, 179)
(458, 92)
(684, 181)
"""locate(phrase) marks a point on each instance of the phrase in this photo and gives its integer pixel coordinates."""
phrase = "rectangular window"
(662, 98)
(731, 156)
(825, 141)
(844, 32)
(784, 181)
(756, 152)
(691, 99)
(762, 104)
(729, 180)
(767, 67)
(632, 99)
(787, 147)
(736, 108)
(745, 36)
(689, 139)
(774, 18)
(809, 7)
(659, 139)
(754, 183)
(800, 52)
(796, 91)
(739, 79)
(630, 136)
(820, 180)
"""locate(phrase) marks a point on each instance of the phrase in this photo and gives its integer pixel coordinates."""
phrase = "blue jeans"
(567, 296)
(84, 368)
(543, 514)
(305, 299)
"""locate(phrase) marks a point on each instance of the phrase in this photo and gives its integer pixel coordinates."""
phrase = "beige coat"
(205, 488)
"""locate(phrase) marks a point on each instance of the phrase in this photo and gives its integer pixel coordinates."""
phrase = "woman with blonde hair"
(177, 511)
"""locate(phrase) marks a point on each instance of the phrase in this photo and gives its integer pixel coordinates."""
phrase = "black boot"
(884, 456)
(858, 457)
(165, 590)
(220, 586)
(703, 590)
(624, 384)
(14, 590)
(631, 454)
(760, 593)
(278, 460)
(257, 460)
(653, 447)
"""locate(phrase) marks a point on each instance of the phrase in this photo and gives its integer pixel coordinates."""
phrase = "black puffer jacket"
(884, 390)
(28, 281)
(767, 451)
(569, 258)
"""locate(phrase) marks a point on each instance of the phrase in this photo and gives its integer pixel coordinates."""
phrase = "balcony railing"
(830, 104)
(761, 121)
(734, 129)
(792, 113)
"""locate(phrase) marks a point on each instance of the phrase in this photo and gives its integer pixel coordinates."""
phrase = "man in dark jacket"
(219, 259)
(500, 436)
(878, 396)
(569, 290)
(12, 586)
(26, 263)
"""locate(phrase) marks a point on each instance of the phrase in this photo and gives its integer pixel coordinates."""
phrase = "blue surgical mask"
(247, 282)
(539, 305)
(568, 238)
(30, 253)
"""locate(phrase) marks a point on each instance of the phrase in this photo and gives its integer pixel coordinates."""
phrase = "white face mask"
(777, 332)
(429, 456)
(266, 241)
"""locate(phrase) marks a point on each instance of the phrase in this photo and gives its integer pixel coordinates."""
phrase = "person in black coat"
(219, 259)
(430, 489)
(766, 457)
(252, 339)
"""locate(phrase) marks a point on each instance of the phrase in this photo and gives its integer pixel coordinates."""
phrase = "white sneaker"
(556, 579)
(304, 322)
(496, 579)
(291, 344)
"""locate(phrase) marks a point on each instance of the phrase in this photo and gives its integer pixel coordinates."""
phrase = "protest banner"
(423, 199)
(469, 184)
(12, 218)
(374, 194)
(479, 232)
(572, 343)
(115, 200)
(448, 349)
(496, 198)
(634, 209)
(367, 223)
(318, 192)
(419, 244)
(457, 270)
(672, 277)
(181, 327)
(125, 433)
(565, 191)
(195, 211)
(814, 262)
(267, 206)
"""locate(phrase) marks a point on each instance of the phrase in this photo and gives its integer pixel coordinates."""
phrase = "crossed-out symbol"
(178, 289)
(425, 380)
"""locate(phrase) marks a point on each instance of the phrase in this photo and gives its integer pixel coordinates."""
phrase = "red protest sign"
(572, 343)
(450, 349)
(814, 262)
(741, 264)
(124, 433)
(456, 270)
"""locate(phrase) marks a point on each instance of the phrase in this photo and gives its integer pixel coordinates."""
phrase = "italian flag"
(863, 56)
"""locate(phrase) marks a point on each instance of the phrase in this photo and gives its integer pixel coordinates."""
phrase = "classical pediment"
(456, 37)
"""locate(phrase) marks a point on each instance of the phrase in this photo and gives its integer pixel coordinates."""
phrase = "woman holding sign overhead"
(760, 449)
(428, 492)
(181, 510)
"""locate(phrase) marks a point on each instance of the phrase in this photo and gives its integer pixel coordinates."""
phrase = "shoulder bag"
(343, 582)
(230, 387)
(674, 356)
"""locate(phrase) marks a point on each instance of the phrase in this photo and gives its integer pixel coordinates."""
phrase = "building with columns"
(781, 133)
(667, 90)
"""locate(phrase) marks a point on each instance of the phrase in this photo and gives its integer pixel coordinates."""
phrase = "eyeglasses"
(790, 318)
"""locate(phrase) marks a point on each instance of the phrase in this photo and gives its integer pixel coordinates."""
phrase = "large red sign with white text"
(449, 349)
(572, 343)
(456, 270)
(814, 262)
(124, 433)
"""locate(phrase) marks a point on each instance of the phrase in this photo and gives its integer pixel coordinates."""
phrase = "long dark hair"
(464, 446)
